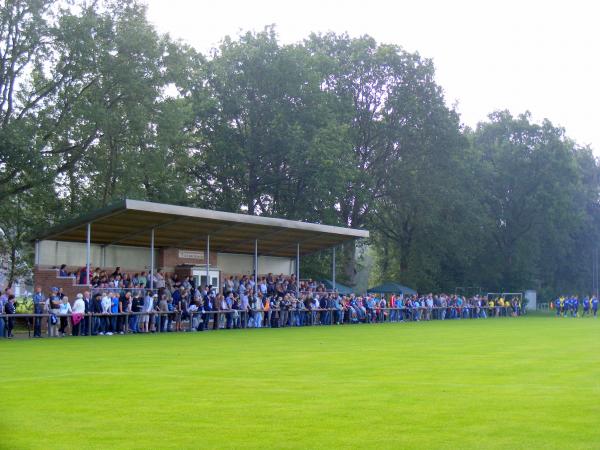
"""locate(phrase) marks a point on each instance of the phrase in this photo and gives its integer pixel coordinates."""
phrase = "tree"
(425, 222)
(82, 90)
(20, 214)
(382, 96)
(532, 190)
(135, 148)
(266, 141)
(43, 77)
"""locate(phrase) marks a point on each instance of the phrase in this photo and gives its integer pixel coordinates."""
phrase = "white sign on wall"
(191, 254)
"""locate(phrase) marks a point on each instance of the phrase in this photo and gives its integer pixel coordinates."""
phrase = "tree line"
(96, 105)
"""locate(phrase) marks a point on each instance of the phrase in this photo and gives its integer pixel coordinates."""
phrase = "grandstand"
(205, 244)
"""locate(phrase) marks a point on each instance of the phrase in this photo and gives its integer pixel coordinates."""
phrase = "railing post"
(37, 252)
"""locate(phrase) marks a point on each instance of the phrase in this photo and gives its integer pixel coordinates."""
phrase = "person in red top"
(393, 313)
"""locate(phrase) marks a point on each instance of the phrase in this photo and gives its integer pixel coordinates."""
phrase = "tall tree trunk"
(252, 190)
(73, 191)
(13, 262)
(385, 265)
(110, 180)
(350, 262)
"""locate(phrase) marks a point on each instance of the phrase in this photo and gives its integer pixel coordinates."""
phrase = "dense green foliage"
(497, 383)
(95, 105)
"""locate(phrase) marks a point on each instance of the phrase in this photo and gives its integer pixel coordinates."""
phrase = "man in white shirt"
(159, 279)
(244, 303)
(263, 286)
(106, 304)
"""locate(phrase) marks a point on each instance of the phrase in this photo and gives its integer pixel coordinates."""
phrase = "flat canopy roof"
(130, 222)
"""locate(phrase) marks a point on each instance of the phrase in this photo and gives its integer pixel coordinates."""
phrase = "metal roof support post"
(104, 256)
(152, 259)
(88, 250)
(255, 265)
(298, 270)
(207, 260)
(333, 270)
(37, 252)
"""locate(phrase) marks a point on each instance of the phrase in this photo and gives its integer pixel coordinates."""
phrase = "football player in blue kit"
(586, 307)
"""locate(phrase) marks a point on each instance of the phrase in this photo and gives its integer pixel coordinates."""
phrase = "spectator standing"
(78, 312)
(54, 308)
(38, 308)
(106, 303)
(180, 307)
(262, 286)
(244, 305)
(228, 285)
(225, 305)
(429, 306)
(170, 315)
(64, 311)
(83, 276)
(96, 309)
(257, 307)
(153, 309)
(114, 311)
(124, 308)
(62, 272)
(142, 280)
(3, 302)
(146, 308)
(161, 319)
(176, 303)
(159, 280)
(9, 310)
(443, 306)
(196, 322)
(86, 323)
(137, 305)
(266, 307)
(208, 306)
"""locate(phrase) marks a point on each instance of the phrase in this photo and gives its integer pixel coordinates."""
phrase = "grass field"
(504, 383)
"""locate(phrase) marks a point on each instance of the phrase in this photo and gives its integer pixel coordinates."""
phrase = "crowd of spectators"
(120, 303)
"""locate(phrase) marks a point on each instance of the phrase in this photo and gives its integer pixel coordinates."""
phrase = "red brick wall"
(48, 278)
(168, 259)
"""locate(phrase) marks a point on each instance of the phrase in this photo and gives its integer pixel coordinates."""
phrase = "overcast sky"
(541, 56)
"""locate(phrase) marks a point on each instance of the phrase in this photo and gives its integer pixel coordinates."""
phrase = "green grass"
(503, 383)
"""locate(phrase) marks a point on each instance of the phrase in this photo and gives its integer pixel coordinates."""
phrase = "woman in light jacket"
(64, 311)
(78, 310)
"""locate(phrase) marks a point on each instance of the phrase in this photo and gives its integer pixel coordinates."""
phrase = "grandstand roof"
(129, 222)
